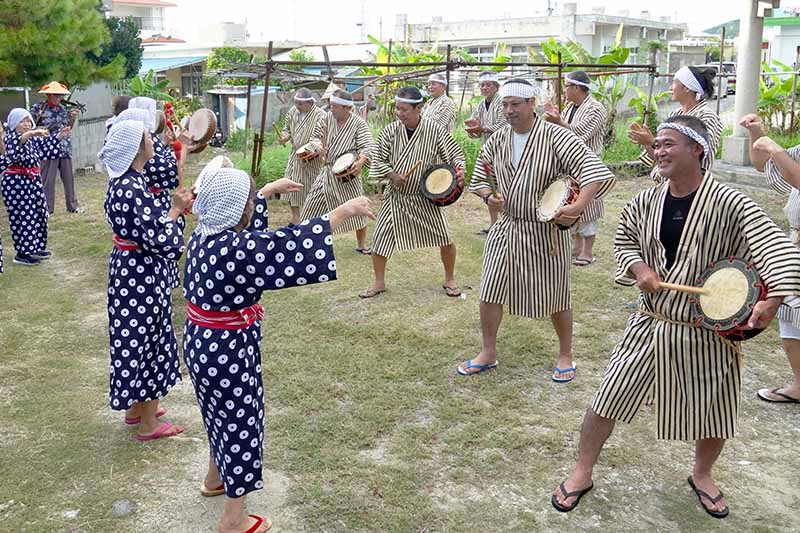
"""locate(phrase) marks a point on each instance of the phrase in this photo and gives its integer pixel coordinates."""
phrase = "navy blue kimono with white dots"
(229, 271)
(144, 354)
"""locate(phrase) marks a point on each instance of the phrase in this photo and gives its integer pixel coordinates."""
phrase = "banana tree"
(639, 102)
(147, 86)
(774, 96)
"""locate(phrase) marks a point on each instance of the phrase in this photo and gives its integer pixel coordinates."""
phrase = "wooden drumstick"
(325, 142)
(682, 288)
(415, 167)
(489, 176)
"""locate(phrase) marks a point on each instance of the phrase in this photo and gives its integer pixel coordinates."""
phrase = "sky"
(318, 22)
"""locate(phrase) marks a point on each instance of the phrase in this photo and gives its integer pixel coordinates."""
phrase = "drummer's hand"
(185, 137)
(766, 145)
(356, 167)
(568, 215)
(460, 176)
(182, 199)
(169, 136)
(646, 278)
(280, 186)
(763, 313)
(497, 202)
(640, 135)
(396, 178)
(283, 140)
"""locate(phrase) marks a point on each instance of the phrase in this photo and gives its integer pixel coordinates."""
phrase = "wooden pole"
(721, 74)
(558, 84)
(463, 90)
(386, 87)
(650, 83)
(247, 117)
(794, 94)
(255, 155)
(264, 108)
(447, 73)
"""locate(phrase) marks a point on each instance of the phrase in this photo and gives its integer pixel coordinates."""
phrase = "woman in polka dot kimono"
(144, 355)
(161, 171)
(22, 186)
(227, 268)
(3, 166)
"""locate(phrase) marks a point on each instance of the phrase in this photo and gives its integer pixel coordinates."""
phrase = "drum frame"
(731, 328)
(446, 198)
(568, 198)
(347, 177)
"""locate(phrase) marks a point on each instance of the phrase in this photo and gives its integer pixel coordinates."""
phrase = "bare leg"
(150, 423)
(361, 238)
(792, 349)
(577, 245)
(706, 453)
(212, 480)
(448, 254)
(235, 518)
(491, 316)
(295, 215)
(379, 268)
(562, 322)
(595, 430)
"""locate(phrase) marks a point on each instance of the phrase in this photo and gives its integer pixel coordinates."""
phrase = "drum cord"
(732, 345)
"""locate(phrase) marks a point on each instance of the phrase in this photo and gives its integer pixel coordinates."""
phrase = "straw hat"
(54, 88)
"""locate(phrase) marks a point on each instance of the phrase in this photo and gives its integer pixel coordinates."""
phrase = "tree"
(148, 86)
(299, 54)
(225, 57)
(45, 40)
(125, 42)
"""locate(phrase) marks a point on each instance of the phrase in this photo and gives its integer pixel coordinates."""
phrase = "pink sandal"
(133, 420)
(161, 432)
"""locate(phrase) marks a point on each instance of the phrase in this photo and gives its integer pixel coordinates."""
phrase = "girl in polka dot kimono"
(161, 171)
(22, 186)
(227, 268)
(144, 355)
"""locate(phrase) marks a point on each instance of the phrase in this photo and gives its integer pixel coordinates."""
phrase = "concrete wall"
(783, 43)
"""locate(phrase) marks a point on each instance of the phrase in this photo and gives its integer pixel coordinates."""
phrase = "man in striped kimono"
(297, 128)
(586, 117)
(341, 132)
(783, 175)
(486, 119)
(691, 87)
(407, 220)
(440, 107)
(672, 232)
(526, 262)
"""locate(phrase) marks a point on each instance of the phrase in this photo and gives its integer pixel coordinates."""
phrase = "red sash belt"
(155, 190)
(31, 172)
(236, 319)
(124, 244)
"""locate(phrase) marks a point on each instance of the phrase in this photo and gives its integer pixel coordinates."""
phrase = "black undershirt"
(572, 114)
(673, 218)
(410, 132)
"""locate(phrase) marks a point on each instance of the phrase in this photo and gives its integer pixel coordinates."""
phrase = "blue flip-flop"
(481, 368)
(573, 369)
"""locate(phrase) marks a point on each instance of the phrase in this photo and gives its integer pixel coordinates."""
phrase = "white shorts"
(587, 229)
(788, 330)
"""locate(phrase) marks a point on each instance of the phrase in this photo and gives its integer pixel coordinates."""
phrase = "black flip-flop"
(702, 494)
(364, 251)
(451, 291)
(577, 494)
(786, 397)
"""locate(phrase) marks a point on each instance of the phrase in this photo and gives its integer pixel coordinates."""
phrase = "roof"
(782, 21)
(157, 39)
(156, 3)
(160, 64)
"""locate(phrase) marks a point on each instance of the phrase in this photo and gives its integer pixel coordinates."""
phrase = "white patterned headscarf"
(519, 88)
(139, 115)
(122, 145)
(685, 76)
(212, 167)
(16, 116)
(221, 200)
(149, 105)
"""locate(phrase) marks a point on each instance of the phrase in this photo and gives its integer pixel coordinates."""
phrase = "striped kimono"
(490, 117)
(712, 123)
(298, 127)
(588, 122)
(328, 192)
(408, 220)
(790, 310)
(696, 373)
(442, 110)
(519, 268)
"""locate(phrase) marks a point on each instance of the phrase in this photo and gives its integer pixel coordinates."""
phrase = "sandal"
(452, 292)
(210, 493)
(763, 394)
(371, 293)
(480, 368)
(133, 420)
(577, 494)
(364, 251)
(702, 494)
(256, 527)
(161, 432)
(561, 371)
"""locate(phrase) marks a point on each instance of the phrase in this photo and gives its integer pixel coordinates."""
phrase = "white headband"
(408, 100)
(304, 98)
(520, 90)
(341, 101)
(689, 132)
(437, 79)
(685, 76)
(578, 82)
(488, 76)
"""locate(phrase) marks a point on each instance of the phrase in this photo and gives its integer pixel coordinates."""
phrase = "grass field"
(368, 426)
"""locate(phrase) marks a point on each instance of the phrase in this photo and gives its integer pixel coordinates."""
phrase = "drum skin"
(340, 166)
(441, 197)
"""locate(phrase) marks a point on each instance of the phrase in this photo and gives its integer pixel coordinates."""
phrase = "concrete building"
(595, 31)
(149, 15)
(781, 35)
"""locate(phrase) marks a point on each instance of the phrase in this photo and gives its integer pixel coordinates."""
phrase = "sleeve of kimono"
(365, 144)
(448, 114)
(579, 161)
(714, 126)
(292, 255)
(774, 255)
(286, 130)
(379, 162)
(162, 170)
(159, 234)
(316, 134)
(774, 176)
(627, 245)
(589, 124)
(499, 119)
(483, 167)
(449, 149)
(474, 115)
(3, 163)
(260, 219)
(13, 148)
